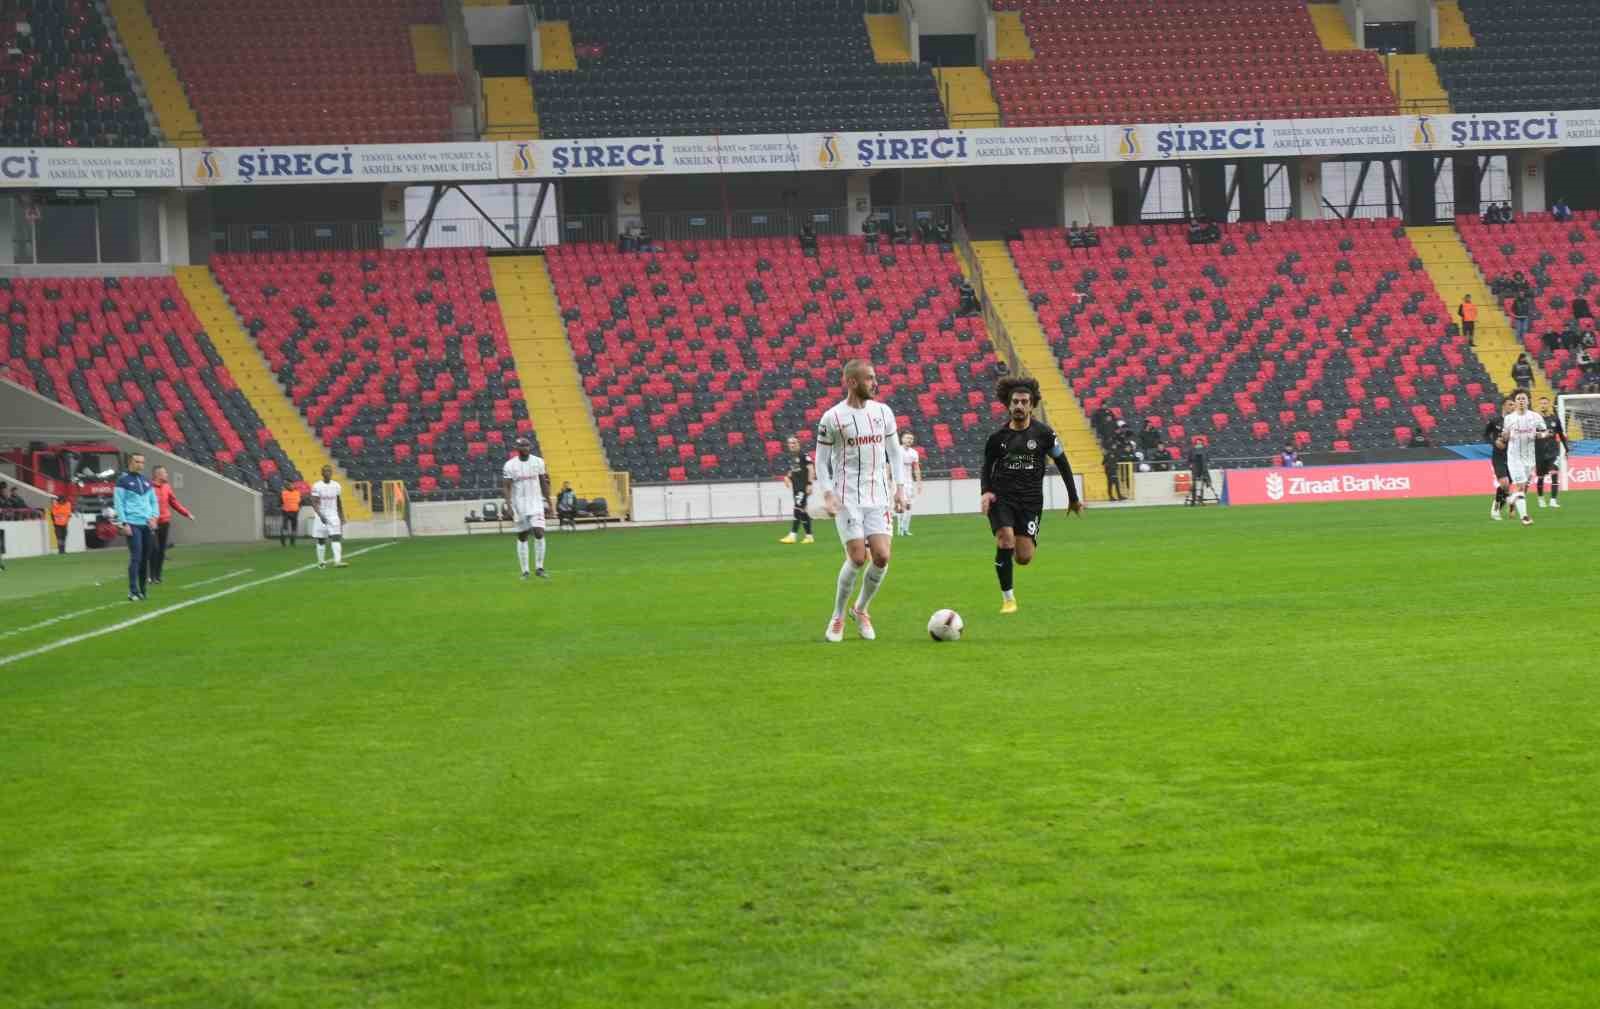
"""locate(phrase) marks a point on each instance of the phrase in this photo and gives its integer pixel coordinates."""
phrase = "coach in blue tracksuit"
(138, 511)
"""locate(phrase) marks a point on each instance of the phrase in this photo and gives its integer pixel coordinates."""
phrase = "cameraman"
(1199, 473)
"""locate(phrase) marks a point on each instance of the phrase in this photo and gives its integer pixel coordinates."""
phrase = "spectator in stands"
(925, 231)
(942, 233)
(1560, 211)
(1204, 231)
(1590, 363)
(10, 500)
(1150, 440)
(1469, 316)
(628, 241)
(646, 241)
(969, 298)
(567, 507)
(1551, 338)
(1291, 458)
(1521, 316)
(869, 231)
(808, 240)
(1105, 423)
(1580, 308)
(902, 234)
(1522, 372)
(60, 515)
(1571, 336)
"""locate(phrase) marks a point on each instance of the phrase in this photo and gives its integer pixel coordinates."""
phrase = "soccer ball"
(945, 625)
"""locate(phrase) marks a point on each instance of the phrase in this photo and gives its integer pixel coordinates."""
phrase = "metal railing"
(475, 232)
(314, 236)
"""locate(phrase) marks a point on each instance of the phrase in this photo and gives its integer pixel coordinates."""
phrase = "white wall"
(716, 502)
(949, 17)
(497, 26)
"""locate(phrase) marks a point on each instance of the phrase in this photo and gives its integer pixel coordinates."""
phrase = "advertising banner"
(279, 166)
(1382, 481)
(36, 167)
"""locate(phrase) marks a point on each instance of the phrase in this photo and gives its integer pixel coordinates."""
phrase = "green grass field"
(1320, 756)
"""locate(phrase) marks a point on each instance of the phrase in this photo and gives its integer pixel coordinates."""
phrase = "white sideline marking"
(219, 578)
(96, 609)
(6, 660)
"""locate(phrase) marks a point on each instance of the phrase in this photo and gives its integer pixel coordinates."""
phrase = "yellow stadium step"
(556, 51)
(1003, 289)
(176, 117)
(1455, 275)
(430, 49)
(1416, 83)
(259, 385)
(551, 385)
(968, 100)
(1454, 32)
(890, 43)
(1010, 37)
(1332, 28)
(510, 109)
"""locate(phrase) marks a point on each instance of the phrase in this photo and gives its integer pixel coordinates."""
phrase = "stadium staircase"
(1332, 28)
(174, 114)
(1559, 261)
(556, 51)
(1003, 289)
(131, 353)
(510, 110)
(1454, 33)
(1449, 264)
(887, 33)
(557, 405)
(430, 49)
(968, 100)
(1416, 83)
(256, 381)
(1011, 38)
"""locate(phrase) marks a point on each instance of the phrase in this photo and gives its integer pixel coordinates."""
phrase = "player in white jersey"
(911, 478)
(861, 471)
(327, 518)
(527, 489)
(1523, 429)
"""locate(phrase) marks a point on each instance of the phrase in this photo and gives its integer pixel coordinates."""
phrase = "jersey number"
(1033, 527)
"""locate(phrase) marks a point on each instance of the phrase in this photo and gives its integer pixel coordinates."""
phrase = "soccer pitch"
(1316, 756)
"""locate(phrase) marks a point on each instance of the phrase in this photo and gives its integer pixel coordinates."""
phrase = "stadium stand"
(61, 82)
(398, 360)
(305, 72)
(1324, 334)
(1134, 61)
(128, 352)
(701, 358)
(1560, 261)
(727, 66)
(1533, 55)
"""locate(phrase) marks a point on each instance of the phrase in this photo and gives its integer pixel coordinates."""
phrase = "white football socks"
(538, 554)
(847, 581)
(1522, 504)
(522, 555)
(870, 585)
(338, 552)
(321, 552)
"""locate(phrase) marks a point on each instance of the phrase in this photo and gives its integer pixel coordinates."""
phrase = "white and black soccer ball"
(945, 625)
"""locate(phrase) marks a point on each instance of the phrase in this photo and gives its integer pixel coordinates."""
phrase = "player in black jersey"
(1547, 454)
(799, 480)
(1014, 462)
(1494, 434)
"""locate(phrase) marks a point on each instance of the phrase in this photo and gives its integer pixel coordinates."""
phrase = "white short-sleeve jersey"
(1522, 432)
(527, 496)
(856, 439)
(325, 501)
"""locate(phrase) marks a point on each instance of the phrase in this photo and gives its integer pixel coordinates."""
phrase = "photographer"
(1199, 473)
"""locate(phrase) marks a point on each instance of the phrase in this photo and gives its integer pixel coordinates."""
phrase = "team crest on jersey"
(1033, 446)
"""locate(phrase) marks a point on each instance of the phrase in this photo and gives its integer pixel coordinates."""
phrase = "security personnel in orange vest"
(1469, 316)
(60, 515)
(289, 523)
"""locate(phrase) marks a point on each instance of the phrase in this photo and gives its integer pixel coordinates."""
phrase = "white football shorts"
(857, 522)
(528, 522)
(321, 530)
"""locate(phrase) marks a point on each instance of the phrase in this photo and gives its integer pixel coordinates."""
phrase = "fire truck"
(84, 473)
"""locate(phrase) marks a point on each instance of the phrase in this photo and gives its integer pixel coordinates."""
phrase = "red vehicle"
(85, 473)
